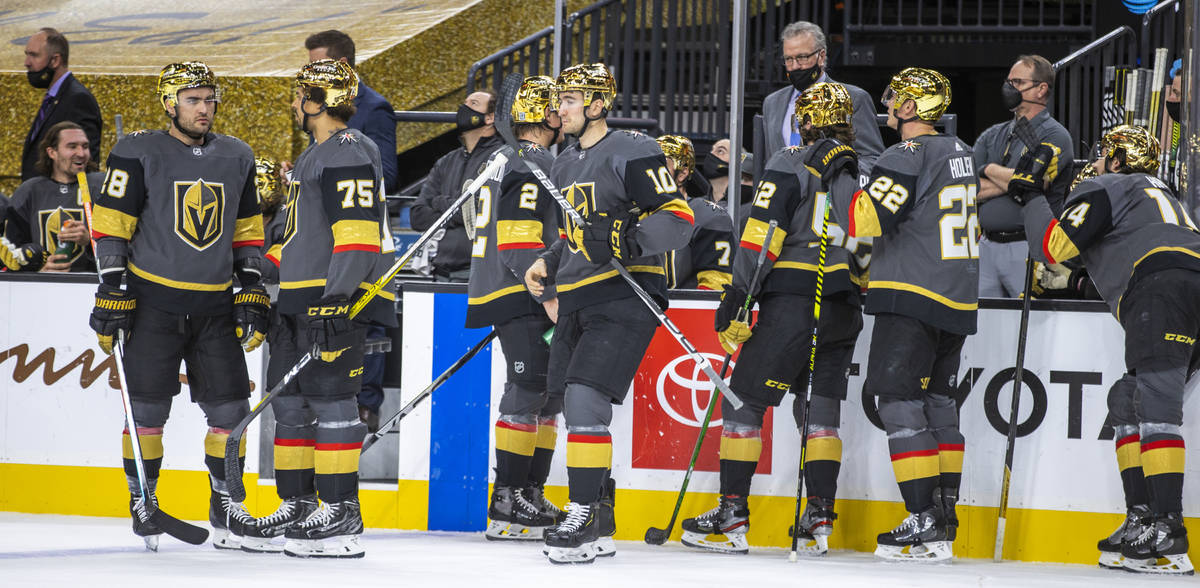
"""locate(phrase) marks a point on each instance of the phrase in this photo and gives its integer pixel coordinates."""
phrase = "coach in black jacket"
(46, 56)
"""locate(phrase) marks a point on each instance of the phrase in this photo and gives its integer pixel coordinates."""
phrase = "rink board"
(59, 438)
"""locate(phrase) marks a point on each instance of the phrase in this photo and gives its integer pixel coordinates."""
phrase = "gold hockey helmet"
(266, 182)
(825, 104)
(176, 77)
(336, 77)
(593, 79)
(536, 93)
(1139, 146)
(680, 151)
(1087, 172)
(928, 88)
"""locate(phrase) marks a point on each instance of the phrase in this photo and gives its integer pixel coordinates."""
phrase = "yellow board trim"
(486, 298)
(889, 285)
(177, 284)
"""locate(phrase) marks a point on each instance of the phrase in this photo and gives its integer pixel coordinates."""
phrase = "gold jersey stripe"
(521, 231)
(497, 294)
(646, 269)
(356, 232)
(756, 232)
(113, 222)
(248, 229)
(889, 285)
(178, 284)
(864, 220)
(713, 279)
(320, 283)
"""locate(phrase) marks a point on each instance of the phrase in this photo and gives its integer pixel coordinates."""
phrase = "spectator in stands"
(1002, 249)
(46, 59)
(476, 117)
(715, 169)
(1170, 169)
(804, 58)
(46, 219)
(373, 115)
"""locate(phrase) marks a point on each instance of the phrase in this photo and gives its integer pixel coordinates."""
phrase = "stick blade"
(656, 536)
(186, 532)
(233, 466)
(508, 94)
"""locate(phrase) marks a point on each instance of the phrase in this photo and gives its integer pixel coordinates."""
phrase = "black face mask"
(40, 79)
(1173, 110)
(468, 119)
(801, 79)
(713, 167)
(1012, 96)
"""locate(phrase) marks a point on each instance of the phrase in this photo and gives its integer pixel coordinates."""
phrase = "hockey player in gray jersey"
(177, 217)
(704, 264)
(792, 192)
(619, 182)
(46, 229)
(920, 207)
(1143, 253)
(334, 246)
(516, 221)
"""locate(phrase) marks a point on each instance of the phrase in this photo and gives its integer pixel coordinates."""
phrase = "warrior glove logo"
(199, 208)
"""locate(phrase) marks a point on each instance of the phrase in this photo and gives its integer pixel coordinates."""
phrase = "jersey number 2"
(956, 244)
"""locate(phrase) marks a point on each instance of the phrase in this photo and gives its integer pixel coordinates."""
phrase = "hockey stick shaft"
(503, 126)
(1011, 442)
(236, 487)
(412, 404)
(170, 525)
(744, 316)
(812, 364)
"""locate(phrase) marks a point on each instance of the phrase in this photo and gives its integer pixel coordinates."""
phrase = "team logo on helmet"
(679, 150)
(928, 88)
(592, 79)
(825, 104)
(176, 77)
(536, 94)
(337, 79)
(1140, 148)
(199, 208)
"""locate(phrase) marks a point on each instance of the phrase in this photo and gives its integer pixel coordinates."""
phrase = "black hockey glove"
(27, 257)
(1030, 174)
(250, 308)
(830, 157)
(327, 319)
(113, 313)
(608, 236)
(732, 300)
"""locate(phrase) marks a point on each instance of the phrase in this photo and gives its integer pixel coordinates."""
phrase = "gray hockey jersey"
(516, 220)
(336, 239)
(624, 174)
(181, 215)
(792, 195)
(920, 207)
(38, 210)
(705, 263)
(1123, 226)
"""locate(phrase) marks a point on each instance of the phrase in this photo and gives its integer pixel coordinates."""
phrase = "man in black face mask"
(1002, 250)
(715, 168)
(804, 59)
(476, 116)
(66, 99)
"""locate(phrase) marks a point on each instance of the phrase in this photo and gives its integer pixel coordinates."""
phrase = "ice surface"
(49, 550)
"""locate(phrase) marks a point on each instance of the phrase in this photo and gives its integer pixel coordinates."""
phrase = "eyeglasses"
(1015, 81)
(800, 59)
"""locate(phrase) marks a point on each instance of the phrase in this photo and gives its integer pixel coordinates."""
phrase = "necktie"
(43, 112)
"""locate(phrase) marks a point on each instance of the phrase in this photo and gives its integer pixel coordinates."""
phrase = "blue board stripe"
(459, 427)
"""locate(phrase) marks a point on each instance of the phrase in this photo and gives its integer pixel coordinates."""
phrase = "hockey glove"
(607, 236)
(734, 335)
(327, 320)
(250, 308)
(30, 257)
(1035, 167)
(830, 157)
(112, 314)
(732, 300)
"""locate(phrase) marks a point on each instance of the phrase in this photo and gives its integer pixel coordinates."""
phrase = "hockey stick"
(812, 363)
(412, 404)
(654, 535)
(233, 475)
(186, 532)
(508, 91)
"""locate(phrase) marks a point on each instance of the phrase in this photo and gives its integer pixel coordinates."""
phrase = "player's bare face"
(570, 110)
(196, 108)
(72, 154)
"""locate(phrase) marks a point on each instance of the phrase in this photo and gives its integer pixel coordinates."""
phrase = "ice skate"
(574, 540)
(816, 524)
(1161, 548)
(921, 537)
(731, 518)
(228, 519)
(142, 525)
(513, 518)
(291, 512)
(331, 530)
(946, 499)
(1136, 519)
(537, 497)
(607, 519)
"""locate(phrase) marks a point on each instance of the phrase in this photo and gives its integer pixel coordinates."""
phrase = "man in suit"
(46, 58)
(804, 58)
(373, 114)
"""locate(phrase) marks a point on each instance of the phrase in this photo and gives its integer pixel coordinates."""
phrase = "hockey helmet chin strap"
(587, 120)
(304, 115)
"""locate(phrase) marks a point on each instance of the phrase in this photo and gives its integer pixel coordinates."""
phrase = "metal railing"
(970, 16)
(1082, 89)
(1162, 26)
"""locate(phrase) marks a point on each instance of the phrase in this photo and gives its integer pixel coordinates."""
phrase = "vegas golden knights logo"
(290, 204)
(583, 198)
(52, 222)
(199, 209)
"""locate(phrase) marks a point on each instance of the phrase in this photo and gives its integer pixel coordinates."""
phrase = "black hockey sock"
(740, 450)
(515, 444)
(823, 461)
(589, 456)
(294, 460)
(150, 441)
(1162, 461)
(1129, 461)
(335, 461)
(214, 452)
(916, 466)
(543, 453)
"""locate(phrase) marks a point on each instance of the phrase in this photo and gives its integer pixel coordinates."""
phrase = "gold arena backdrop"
(415, 53)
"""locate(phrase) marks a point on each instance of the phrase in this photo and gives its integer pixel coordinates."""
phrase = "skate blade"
(605, 547)
(151, 542)
(1168, 564)
(932, 552)
(223, 539)
(502, 531)
(816, 546)
(260, 545)
(345, 546)
(1112, 560)
(734, 542)
(584, 554)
